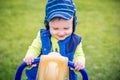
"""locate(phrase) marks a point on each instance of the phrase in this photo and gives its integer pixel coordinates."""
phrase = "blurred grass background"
(98, 24)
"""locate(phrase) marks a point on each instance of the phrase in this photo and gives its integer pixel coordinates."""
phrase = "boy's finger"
(71, 68)
(34, 65)
(77, 68)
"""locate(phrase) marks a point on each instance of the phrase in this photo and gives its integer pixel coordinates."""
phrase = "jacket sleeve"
(79, 54)
(35, 48)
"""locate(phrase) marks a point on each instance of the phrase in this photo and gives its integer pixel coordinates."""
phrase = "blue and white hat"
(60, 8)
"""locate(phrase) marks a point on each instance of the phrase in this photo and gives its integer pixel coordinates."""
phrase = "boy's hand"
(28, 60)
(78, 65)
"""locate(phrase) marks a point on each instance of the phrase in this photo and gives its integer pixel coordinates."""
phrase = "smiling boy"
(60, 23)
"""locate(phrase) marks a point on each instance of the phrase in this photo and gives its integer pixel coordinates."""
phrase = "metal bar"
(36, 61)
(83, 72)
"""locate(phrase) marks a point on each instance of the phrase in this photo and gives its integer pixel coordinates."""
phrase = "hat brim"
(63, 15)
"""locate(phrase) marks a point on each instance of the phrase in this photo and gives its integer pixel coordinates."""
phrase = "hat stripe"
(67, 10)
(62, 8)
(57, 5)
(49, 1)
(64, 13)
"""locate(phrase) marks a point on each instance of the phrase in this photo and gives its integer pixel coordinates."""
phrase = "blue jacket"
(67, 49)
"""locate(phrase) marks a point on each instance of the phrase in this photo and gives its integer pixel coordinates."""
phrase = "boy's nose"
(61, 33)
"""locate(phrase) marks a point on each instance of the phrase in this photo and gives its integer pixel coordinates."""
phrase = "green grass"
(98, 24)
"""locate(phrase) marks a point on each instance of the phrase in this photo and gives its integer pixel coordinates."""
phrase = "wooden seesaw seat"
(53, 67)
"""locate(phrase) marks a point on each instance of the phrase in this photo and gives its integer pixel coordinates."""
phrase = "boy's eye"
(66, 28)
(55, 28)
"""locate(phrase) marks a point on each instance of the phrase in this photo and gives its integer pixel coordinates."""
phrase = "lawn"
(98, 24)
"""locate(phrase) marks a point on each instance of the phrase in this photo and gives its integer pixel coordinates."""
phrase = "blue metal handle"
(83, 72)
(23, 65)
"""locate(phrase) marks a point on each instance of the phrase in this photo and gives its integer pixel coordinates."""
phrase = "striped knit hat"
(60, 8)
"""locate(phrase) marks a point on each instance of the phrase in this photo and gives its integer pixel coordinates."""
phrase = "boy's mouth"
(61, 37)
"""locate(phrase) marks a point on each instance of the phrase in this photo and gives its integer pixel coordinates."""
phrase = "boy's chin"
(61, 38)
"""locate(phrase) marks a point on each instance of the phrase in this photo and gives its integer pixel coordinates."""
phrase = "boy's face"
(60, 28)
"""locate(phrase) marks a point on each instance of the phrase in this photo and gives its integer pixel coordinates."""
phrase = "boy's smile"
(61, 28)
